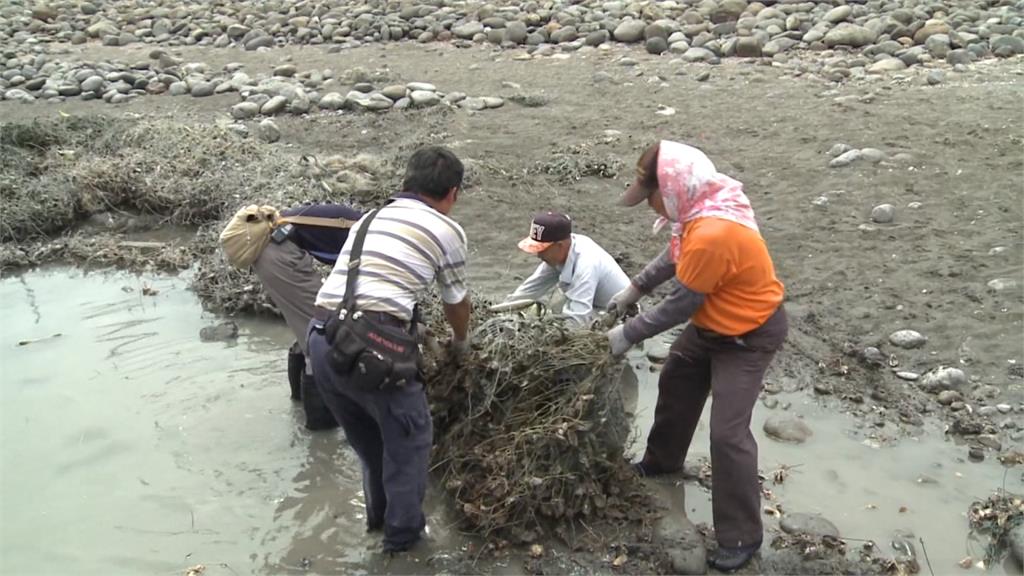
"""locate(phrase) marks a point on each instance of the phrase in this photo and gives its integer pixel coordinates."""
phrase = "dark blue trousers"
(392, 433)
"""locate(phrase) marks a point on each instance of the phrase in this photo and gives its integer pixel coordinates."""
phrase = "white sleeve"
(579, 297)
(543, 279)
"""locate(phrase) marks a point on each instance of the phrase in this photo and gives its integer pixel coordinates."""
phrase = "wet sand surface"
(130, 447)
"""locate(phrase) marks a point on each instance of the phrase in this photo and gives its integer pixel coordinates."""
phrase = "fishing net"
(997, 517)
(530, 429)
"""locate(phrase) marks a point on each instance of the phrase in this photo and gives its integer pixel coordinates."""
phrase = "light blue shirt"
(589, 279)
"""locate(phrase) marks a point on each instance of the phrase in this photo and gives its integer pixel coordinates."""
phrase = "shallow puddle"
(870, 482)
(131, 447)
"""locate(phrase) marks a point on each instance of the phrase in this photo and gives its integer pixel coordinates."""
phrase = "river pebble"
(883, 214)
(907, 339)
(219, 332)
(1003, 285)
(943, 378)
(811, 524)
(787, 429)
(268, 131)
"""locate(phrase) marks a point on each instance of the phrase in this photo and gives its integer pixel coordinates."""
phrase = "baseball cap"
(646, 177)
(546, 229)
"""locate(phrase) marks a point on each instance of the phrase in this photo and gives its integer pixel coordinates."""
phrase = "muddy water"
(870, 482)
(130, 447)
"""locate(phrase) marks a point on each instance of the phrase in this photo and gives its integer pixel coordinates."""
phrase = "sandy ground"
(850, 282)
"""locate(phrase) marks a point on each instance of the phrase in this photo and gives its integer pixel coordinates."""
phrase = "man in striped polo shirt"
(410, 244)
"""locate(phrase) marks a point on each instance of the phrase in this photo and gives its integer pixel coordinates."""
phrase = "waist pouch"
(371, 355)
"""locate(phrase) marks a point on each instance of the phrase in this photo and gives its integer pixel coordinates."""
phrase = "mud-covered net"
(530, 429)
(59, 175)
(996, 518)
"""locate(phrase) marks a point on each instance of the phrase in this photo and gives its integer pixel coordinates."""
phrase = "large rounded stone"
(810, 524)
(1006, 46)
(268, 131)
(849, 35)
(395, 92)
(274, 106)
(778, 46)
(907, 339)
(333, 101)
(838, 14)
(92, 83)
(630, 31)
(931, 28)
(597, 37)
(468, 30)
(887, 65)
(655, 31)
(884, 214)
(728, 11)
(748, 47)
(699, 54)
(943, 378)
(424, 98)
(285, 70)
(203, 89)
(938, 45)
(244, 110)
(516, 32)
(563, 35)
(787, 429)
(260, 42)
(656, 45)
(960, 56)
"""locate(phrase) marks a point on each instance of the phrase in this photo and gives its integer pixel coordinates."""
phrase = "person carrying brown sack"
(280, 247)
(724, 284)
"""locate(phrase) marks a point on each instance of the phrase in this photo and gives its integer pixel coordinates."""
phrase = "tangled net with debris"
(530, 429)
(579, 161)
(56, 174)
(997, 517)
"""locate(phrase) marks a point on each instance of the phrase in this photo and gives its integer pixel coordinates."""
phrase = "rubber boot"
(318, 416)
(296, 367)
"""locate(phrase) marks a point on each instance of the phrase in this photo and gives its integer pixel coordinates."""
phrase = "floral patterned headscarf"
(692, 188)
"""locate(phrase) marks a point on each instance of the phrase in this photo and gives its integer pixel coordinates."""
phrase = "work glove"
(617, 341)
(624, 300)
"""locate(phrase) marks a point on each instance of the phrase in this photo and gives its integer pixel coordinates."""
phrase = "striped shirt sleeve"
(451, 278)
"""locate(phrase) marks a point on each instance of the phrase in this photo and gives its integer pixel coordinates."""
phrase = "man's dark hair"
(432, 171)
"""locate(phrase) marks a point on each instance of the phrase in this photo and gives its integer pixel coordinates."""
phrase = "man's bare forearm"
(458, 317)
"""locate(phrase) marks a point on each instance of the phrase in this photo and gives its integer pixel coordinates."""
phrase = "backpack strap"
(354, 259)
(343, 223)
(348, 303)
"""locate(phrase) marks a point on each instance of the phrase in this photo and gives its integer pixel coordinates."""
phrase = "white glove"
(617, 340)
(628, 296)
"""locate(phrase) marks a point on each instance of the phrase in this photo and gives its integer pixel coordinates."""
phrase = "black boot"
(732, 559)
(296, 368)
(318, 416)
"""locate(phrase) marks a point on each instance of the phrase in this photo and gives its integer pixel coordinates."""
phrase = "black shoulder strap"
(354, 258)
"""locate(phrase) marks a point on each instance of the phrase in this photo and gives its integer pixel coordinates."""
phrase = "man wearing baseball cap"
(586, 274)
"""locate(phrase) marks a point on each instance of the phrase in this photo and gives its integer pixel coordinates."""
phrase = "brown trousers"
(732, 370)
(292, 281)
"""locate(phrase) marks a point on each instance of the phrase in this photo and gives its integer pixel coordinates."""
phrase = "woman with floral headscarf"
(724, 284)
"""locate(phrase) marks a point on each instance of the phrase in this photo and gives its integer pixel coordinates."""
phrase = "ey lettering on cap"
(545, 230)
